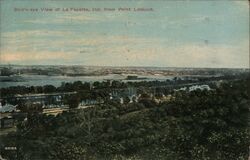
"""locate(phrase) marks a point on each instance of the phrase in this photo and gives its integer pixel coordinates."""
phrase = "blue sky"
(175, 34)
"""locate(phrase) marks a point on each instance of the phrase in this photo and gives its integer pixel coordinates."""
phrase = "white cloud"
(242, 3)
(77, 18)
(125, 50)
(189, 55)
(16, 57)
(33, 33)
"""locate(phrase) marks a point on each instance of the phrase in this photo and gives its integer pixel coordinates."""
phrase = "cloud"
(33, 33)
(24, 41)
(209, 56)
(16, 57)
(242, 3)
(189, 55)
(122, 50)
(31, 39)
(38, 21)
(132, 51)
(76, 18)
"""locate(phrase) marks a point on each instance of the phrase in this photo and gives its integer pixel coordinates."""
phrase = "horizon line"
(82, 65)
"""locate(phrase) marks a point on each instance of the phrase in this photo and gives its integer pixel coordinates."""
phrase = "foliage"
(209, 125)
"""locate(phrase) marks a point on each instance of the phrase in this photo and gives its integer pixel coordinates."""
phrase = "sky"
(184, 33)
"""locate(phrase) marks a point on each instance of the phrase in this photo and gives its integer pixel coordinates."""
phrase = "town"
(48, 99)
(114, 117)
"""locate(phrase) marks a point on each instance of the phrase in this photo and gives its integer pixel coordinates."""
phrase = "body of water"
(41, 80)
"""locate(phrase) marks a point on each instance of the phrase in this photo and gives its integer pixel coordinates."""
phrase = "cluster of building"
(6, 117)
(9, 112)
(194, 87)
(53, 103)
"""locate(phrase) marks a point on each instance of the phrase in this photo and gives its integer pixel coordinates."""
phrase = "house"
(7, 122)
(7, 108)
(201, 87)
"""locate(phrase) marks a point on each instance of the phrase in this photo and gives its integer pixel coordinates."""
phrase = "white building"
(201, 87)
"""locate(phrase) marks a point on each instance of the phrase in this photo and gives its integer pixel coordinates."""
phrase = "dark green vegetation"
(105, 86)
(199, 125)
